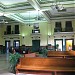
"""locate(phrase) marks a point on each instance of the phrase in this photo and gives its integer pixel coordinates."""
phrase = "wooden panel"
(65, 73)
(54, 66)
(30, 55)
(61, 54)
(47, 62)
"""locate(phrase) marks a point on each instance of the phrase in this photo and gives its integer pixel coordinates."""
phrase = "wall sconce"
(23, 37)
(54, 36)
(62, 36)
(72, 35)
(49, 36)
(31, 37)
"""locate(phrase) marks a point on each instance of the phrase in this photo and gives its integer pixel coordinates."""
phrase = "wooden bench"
(30, 55)
(52, 66)
(31, 74)
(62, 54)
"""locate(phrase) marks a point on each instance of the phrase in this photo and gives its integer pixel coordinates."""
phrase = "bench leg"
(55, 73)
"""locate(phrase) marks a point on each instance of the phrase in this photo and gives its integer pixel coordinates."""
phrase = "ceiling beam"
(15, 17)
(37, 6)
(14, 8)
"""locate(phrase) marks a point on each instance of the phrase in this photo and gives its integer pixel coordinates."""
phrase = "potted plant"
(44, 52)
(57, 46)
(13, 60)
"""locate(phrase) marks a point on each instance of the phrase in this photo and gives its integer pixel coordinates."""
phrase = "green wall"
(0, 35)
(25, 37)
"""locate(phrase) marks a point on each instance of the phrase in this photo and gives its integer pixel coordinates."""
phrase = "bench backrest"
(47, 62)
(61, 53)
(30, 55)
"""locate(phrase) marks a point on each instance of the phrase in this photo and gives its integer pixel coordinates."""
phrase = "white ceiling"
(9, 2)
(26, 11)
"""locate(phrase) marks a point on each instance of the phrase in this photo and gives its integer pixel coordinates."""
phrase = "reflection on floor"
(4, 65)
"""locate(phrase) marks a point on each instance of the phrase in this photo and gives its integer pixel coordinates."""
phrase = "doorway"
(69, 42)
(16, 44)
(60, 43)
(35, 45)
(7, 46)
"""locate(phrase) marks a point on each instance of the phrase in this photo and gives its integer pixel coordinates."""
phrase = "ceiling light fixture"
(58, 6)
(36, 24)
(3, 18)
(29, 18)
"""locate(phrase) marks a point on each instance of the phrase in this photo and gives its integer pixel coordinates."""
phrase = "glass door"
(7, 46)
(59, 43)
(16, 44)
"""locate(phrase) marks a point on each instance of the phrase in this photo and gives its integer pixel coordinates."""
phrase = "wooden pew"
(63, 54)
(30, 55)
(31, 74)
(52, 66)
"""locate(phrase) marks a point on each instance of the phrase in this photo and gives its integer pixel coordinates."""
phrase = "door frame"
(58, 40)
(5, 45)
(72, 42)
(14, 44)
(32, 44)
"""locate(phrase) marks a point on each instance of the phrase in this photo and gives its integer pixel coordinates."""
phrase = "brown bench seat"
(46, 65)
(64, 54)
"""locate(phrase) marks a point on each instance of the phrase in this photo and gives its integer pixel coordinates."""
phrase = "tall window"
(8, 29)
(16, 29)
(68, 23)
(57, 24)
(58, 27)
